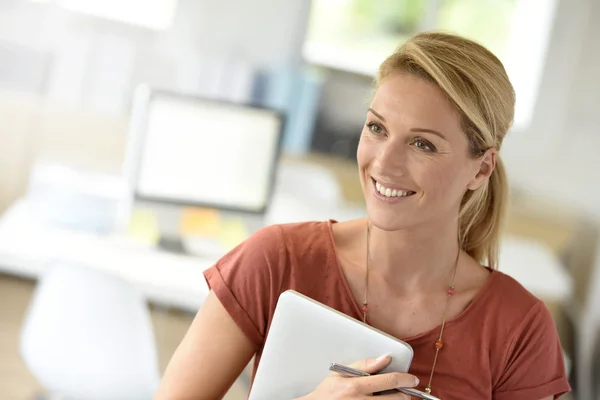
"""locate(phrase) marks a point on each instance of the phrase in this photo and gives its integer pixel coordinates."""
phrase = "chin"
(388, 221)
(391, 215)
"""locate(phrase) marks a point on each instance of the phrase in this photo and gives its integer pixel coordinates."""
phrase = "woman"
(435, 191)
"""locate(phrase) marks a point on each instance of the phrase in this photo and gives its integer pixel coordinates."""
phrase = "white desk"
(27, 247)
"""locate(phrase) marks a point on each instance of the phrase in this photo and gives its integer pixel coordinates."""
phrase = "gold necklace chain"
(439, 344)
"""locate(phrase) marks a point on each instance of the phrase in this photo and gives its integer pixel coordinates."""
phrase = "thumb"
(372, 365)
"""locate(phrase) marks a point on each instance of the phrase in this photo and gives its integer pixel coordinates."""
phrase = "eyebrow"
(377, 114)
(425, 130)
(422, 130)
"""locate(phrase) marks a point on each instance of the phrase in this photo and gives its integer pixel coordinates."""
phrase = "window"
(357, 35)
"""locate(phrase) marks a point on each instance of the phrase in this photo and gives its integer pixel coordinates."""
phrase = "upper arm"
(534, 367)
(210, 357)
(232, 324)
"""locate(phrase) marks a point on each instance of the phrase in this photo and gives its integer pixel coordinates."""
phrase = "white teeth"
(391, 193)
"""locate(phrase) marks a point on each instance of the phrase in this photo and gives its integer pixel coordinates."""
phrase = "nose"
(392, 156)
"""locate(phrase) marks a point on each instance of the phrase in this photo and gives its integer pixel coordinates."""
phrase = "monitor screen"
(205, 152)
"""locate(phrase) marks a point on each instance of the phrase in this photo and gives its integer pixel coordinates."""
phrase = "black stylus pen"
(349, 371)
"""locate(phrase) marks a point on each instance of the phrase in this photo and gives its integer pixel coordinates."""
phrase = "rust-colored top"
(503, 346)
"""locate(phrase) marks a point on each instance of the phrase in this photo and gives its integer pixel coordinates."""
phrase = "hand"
(355, 388)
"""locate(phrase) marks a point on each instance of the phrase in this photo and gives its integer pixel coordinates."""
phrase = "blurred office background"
(101, 268)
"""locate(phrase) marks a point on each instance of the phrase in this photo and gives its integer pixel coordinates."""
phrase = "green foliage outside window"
(365, 31)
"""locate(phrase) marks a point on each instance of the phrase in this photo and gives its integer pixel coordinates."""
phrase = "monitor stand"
(172, 245)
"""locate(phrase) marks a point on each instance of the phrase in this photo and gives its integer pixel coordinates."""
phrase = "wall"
(33, 130)
(96, 62)
(557, 156)
(79, 114)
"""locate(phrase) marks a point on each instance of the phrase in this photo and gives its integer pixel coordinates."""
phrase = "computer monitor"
(192, 151)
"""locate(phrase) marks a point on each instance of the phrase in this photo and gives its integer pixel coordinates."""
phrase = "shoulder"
(289, 232)
(516, 298)
(511, 307)
(304, 230)
(292, 237)
(528, 343)
(278, 246)
(525, 310)
(501, 308)
(505, 311)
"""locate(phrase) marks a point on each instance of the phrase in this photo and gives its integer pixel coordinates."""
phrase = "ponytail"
(481, 217)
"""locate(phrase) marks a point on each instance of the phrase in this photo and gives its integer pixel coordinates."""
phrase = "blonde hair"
(475, 81)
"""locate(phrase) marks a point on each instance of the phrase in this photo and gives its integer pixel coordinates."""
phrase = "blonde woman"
(421, 267)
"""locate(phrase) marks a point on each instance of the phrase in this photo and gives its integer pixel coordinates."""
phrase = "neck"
(414, 259)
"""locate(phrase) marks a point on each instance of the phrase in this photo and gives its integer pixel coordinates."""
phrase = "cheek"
(443, 181)
(362, 159)
(363, 153)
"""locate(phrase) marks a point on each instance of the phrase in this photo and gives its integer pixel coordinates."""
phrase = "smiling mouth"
(391, 193)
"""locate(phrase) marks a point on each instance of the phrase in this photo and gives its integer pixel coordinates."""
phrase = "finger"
(379, 383)
(372, 365)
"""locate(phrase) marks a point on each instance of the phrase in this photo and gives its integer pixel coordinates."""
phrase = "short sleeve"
(248, 279)
(534, 367)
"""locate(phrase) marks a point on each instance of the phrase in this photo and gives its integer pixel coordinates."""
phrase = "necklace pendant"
(428, 389)
(364, 308)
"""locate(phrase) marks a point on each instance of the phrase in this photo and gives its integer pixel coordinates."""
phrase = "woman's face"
(413, 159)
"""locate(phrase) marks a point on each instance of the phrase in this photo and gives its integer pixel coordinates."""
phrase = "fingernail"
(416, 381)
(381, 357)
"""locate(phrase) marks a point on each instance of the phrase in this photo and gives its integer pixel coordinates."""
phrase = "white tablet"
(306, 337)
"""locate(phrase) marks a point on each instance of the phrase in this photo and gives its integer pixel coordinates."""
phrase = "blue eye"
(375, 128)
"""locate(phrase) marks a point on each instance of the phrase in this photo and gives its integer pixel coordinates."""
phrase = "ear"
(486, 164)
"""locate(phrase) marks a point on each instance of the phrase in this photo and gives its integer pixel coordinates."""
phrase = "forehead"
(410, 100)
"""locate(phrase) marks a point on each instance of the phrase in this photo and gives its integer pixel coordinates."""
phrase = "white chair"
(88, 336)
